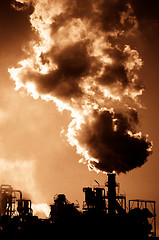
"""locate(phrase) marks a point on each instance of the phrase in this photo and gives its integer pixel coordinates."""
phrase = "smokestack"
(111, 193)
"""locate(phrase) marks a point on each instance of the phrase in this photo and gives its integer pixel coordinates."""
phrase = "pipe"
(18, 191)
(111, 193)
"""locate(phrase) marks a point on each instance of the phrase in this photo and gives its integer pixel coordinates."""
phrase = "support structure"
(116, 202)
(97, 199)
(148, 209)
(8, 198)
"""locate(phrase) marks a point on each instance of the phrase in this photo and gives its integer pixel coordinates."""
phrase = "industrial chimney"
(111, 193)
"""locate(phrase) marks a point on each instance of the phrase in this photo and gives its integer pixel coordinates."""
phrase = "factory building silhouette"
(104, 212)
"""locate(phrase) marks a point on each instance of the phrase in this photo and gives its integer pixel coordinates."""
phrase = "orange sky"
(34, 156)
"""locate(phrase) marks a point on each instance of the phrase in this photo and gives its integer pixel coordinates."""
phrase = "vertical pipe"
(111, 193)
(154, 213)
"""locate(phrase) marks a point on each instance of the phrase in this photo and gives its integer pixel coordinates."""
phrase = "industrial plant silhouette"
(104, 212)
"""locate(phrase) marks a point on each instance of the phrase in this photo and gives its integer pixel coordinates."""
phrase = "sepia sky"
(35, 155)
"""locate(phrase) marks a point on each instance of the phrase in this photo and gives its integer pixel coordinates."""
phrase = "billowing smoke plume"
(82, 61)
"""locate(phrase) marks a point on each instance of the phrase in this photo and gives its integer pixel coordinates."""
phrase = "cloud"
(73, 64)
(83, 61)
(111, 144)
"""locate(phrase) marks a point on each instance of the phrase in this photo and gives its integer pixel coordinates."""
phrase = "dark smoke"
(115, 72)
(93, 70)
(74, 64)
(115, 150)
(75, 61)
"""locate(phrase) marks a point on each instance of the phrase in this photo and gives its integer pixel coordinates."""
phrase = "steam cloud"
(82, 61)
